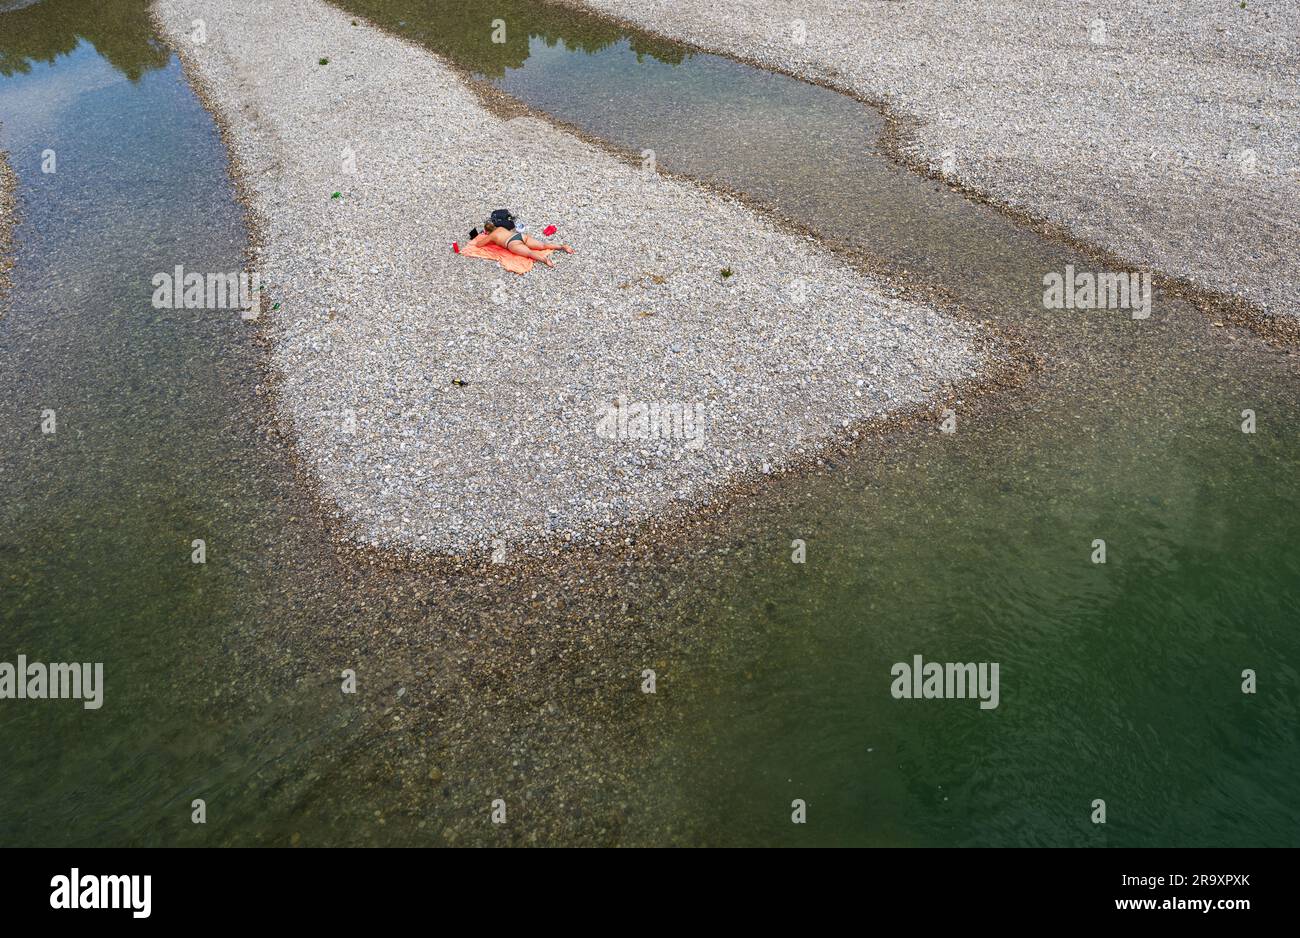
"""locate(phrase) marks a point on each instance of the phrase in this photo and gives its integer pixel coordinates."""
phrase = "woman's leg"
(523, 250)
(543, 246)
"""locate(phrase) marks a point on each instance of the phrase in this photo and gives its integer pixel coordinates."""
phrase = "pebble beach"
(1166, 134)
(445, 405)
(8, 218)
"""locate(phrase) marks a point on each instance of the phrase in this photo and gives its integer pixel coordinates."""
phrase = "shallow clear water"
(153, 445)
(1118, 681)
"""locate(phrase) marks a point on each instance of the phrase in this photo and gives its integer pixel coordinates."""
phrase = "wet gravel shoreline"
(447, 406)
(1166, 138)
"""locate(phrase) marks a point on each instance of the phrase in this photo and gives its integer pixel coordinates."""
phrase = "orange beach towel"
(481, 247)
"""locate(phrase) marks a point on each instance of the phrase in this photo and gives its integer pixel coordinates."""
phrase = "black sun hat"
(500, 218)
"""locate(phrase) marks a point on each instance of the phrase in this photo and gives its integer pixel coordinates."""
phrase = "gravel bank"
(445, 404)
(1167, 133)
(8, 218)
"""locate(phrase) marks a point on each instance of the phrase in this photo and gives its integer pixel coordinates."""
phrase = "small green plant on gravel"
(726, 272)
(324, 61)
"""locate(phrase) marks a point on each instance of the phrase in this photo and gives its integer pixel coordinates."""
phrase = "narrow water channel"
(155, 442)
(1119, 681)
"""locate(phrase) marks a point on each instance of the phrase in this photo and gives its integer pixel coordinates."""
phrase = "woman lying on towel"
(500, 230)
